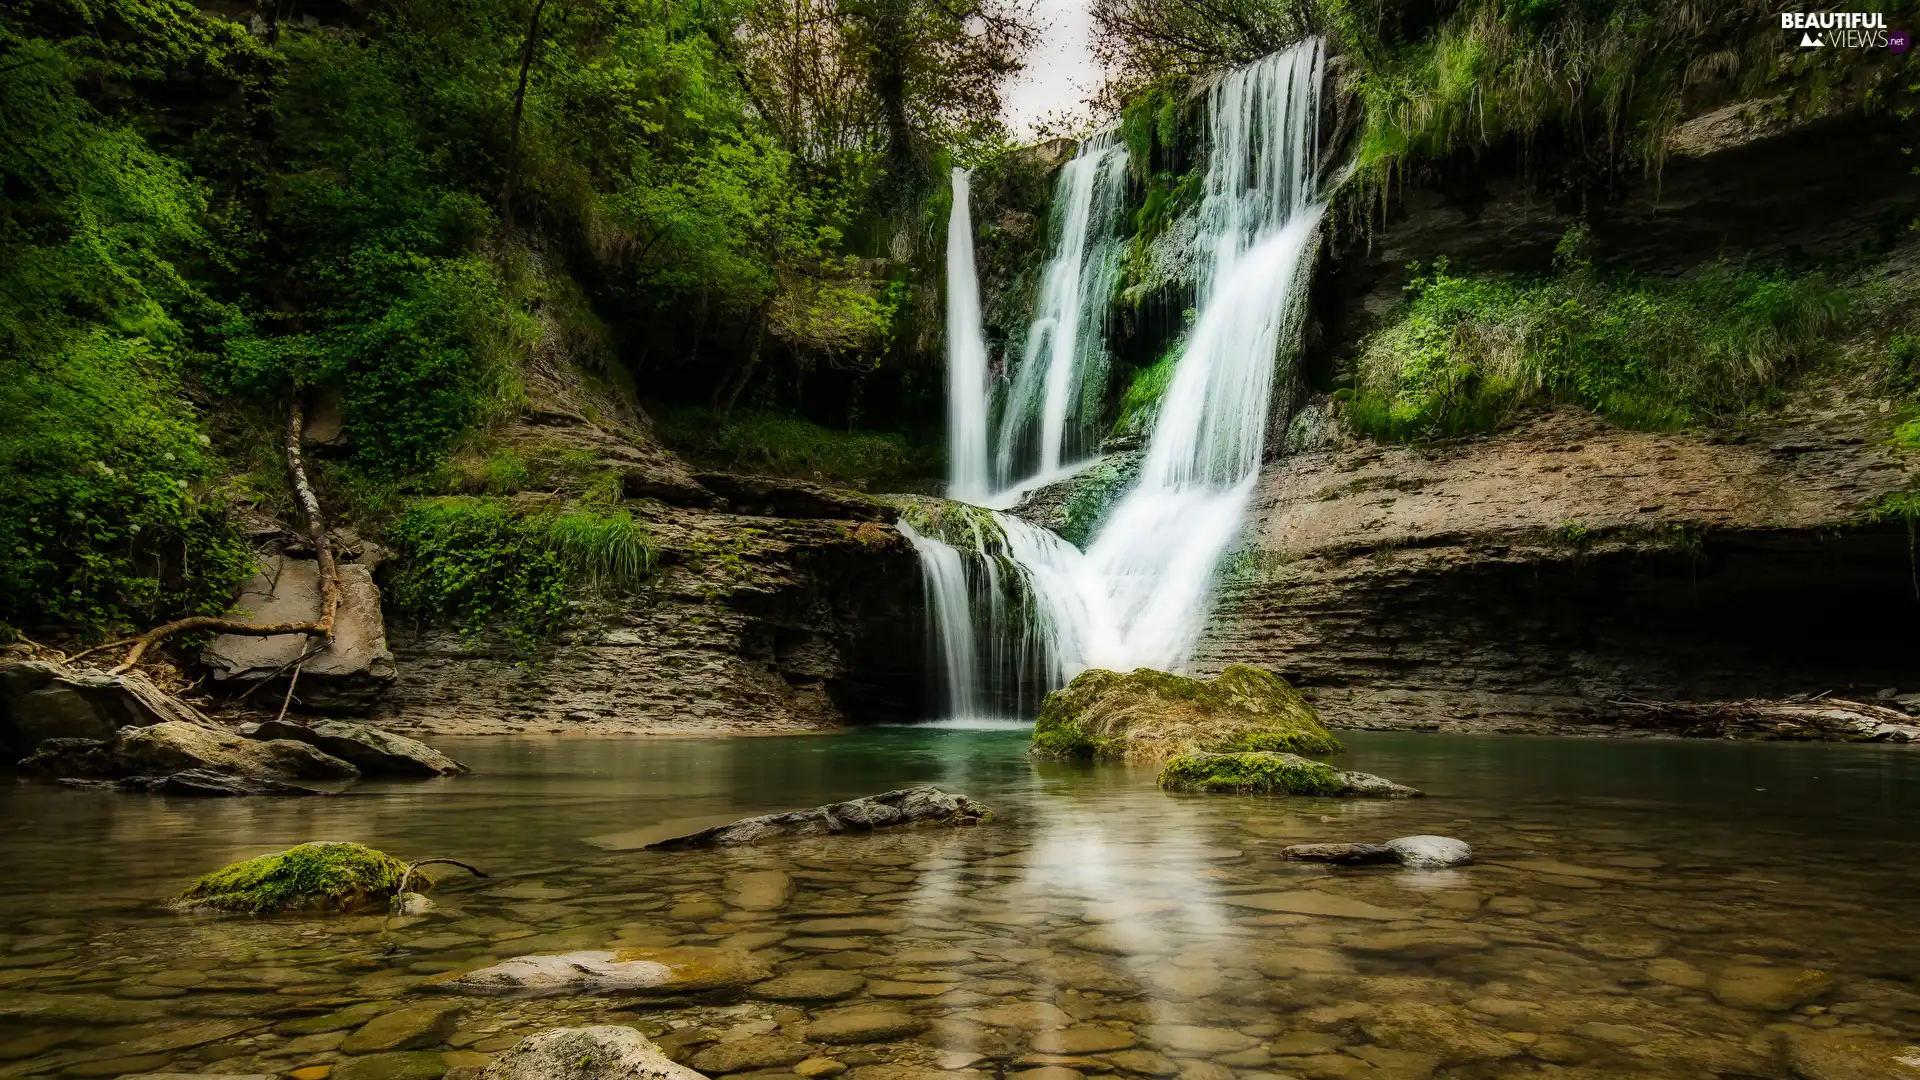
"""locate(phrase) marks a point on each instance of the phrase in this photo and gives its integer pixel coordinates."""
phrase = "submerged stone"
(1148, 715)
(603, 971)
(1270, 773)
(322, 876)
(891, 809)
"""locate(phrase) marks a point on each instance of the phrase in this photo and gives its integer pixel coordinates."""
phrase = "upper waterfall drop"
(1047, 418)
(967, 382)
(1038, 609)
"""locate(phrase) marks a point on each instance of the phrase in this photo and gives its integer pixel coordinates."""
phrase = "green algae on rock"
(320, 876)
(1266, 773)
(1148, 715)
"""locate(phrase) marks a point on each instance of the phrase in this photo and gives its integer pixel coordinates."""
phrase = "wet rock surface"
(601, 1052)
(177, 747)
(887, 810)
(373, 751)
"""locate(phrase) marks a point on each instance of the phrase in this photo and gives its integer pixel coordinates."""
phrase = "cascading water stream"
(967, 386)
(1050, 408)
(1139, 594)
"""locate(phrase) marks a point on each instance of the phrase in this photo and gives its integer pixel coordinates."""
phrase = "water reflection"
(1657, 909)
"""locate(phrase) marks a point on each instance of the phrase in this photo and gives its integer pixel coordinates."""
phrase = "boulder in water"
(1268, 773)
(321, 876)
(374, 751)
(176, 746)
(603, 1052)
(891, 809)
(1420, 852)
(1147, 715)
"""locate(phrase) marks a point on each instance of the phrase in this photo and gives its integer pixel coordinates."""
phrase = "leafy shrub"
(480, 563)
(1464, 354)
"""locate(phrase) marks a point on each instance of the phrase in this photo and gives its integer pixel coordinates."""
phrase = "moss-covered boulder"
(1266, 773)
(1147, 715)
(324, 876)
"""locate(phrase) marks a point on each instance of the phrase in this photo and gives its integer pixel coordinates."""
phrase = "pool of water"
(1639, 908)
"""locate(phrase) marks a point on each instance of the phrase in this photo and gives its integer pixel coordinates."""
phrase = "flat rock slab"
(816, 985)
(858, 1025)
(891, 809)
(672, 970)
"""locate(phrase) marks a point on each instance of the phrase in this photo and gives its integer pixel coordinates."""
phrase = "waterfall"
(949, 619)
(1054, 400)
(966, 357)
(1139, 594)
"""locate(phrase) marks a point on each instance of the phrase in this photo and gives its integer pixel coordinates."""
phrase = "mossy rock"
(1268, 773)
(325, 876)
(1148, 715)
(1261, 773)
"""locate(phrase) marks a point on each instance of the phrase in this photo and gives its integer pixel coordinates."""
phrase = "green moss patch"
(312, 877)
(1255, 773)
(1151, 715)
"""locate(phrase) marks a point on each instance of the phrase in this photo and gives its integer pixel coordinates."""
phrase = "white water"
(1139, 594)
(1050, 409)
(967, 386)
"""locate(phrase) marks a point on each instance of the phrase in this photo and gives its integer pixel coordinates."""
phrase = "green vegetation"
(1141, 402)
(1251, 773)
(1151, 715)
(1466, 354)
(776, 444)
(1095, 492)
(332, 877)
(1609, 79)
(421, 208)
(485, 563)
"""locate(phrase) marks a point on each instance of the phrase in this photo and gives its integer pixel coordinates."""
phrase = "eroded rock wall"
(1545, 576)
(757, 625)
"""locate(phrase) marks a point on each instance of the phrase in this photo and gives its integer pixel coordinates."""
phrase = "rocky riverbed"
(1095, 927)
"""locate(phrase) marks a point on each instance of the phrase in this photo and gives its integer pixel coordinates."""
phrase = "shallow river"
(1640, 908)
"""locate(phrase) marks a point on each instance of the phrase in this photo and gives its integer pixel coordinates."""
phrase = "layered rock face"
(1555, 574)
(757, 624)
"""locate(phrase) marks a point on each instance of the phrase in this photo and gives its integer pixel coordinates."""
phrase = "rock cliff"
(1545, 576)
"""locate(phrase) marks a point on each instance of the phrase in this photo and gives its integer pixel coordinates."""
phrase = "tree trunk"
(519, 108)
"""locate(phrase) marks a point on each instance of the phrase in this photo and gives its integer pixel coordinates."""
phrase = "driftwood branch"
(323, 556)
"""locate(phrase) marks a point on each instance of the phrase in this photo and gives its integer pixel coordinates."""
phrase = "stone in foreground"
(1420, 852)
(1147, 715)
(323, 876)
(608, 971)
(375, 751)
(1269, 773)
(891, 809)
(604, 1052)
